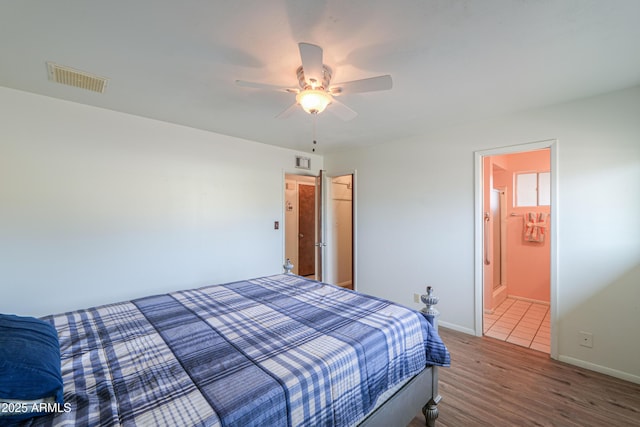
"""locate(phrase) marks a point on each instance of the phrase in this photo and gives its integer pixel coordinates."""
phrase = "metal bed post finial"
(430, 311)
(287, 266)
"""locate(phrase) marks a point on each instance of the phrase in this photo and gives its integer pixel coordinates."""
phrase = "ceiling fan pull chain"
(315, 142)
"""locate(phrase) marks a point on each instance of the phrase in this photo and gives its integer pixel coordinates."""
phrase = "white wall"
(98, 207)
(416, 226)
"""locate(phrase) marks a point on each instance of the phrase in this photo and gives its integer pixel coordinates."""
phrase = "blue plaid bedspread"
(273, 351)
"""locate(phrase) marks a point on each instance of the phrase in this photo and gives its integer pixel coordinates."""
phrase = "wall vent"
(71, 77)
(303, 162)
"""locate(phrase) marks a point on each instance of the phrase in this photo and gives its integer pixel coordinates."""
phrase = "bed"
(272, 351)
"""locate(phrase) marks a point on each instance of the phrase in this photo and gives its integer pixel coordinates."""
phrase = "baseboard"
(535, 301)
(456, 327)
(500, 295)
(601, 369)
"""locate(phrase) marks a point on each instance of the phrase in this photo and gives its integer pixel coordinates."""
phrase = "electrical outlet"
(586, 339)
(416, 298)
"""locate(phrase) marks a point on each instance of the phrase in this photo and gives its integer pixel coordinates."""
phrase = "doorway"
(306, 230)
(516, 273)
(301, 223)
(319, 224)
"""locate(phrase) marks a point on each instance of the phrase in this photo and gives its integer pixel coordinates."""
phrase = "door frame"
(326, 194)
(552, 145)
(328, 217)
(283, 214)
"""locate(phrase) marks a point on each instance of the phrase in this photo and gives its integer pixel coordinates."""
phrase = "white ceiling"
(451, 61)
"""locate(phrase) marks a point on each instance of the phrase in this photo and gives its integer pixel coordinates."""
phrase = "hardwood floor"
(495, 383)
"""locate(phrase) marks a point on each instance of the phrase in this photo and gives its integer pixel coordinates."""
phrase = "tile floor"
(520, 322)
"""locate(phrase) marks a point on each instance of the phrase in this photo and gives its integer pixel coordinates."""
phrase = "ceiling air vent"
(76, 78)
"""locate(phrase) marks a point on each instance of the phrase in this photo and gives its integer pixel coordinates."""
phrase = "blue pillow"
(29, 367)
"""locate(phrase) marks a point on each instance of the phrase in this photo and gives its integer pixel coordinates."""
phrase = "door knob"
(301, 235)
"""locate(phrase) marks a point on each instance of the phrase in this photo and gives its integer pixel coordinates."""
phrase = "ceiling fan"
(315, 91)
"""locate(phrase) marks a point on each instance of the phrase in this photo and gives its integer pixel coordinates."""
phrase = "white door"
(339, 220)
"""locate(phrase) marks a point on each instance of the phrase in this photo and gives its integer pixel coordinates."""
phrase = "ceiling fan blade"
(365, 85)
(342, 111)
(265, 86)
(311, 56)
(288, 112)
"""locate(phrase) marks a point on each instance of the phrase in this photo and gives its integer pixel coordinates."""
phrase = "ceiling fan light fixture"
(313, 101)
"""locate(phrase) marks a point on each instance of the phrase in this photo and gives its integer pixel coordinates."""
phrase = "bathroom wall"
(528, 263)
